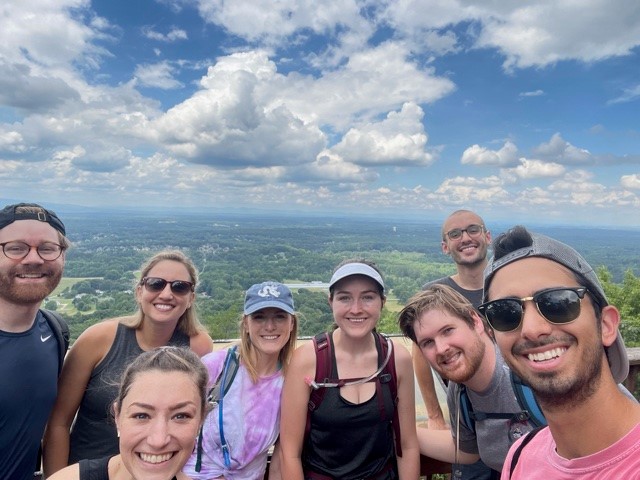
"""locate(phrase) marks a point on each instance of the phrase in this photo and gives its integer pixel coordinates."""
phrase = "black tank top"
(350, 441)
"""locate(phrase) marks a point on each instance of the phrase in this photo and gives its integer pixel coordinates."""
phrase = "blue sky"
(524, 111)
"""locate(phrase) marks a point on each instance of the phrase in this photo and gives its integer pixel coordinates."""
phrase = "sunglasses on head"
(556, 305)
(156, 284)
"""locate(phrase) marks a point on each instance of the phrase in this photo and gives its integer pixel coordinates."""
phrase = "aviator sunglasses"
(556, 305)
(156, 284)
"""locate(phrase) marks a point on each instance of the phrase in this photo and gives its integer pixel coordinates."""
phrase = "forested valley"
(234, 251)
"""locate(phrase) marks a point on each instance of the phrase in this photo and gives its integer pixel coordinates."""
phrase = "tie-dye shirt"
(251, 421)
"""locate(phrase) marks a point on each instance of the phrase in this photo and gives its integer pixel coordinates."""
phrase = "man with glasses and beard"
(557, 331)
(466, 239)
(33, 243)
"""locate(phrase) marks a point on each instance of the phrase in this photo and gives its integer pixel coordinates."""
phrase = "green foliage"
(626, 297)
(233, 252)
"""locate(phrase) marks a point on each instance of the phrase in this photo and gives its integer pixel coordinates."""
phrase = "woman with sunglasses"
(350, 434)
(244, 421)
(93, 367)
(158, 410)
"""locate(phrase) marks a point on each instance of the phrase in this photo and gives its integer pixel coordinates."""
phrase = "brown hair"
(166, 359)
(436, 297)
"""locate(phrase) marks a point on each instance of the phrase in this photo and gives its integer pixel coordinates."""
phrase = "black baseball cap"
(8, 215)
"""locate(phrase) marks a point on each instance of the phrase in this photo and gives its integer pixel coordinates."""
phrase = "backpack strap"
(518, 451)
(227, 373)
(390, 371)
(466, 415)
(527, 401)
(60, 330)
(323, 349)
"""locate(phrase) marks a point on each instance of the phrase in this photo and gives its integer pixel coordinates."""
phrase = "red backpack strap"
(322, 347)
(390, 369)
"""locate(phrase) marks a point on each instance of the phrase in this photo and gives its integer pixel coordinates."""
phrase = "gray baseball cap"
(268, 294)
(563, 254)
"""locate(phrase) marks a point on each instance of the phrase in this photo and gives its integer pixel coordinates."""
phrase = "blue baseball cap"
(268, 294)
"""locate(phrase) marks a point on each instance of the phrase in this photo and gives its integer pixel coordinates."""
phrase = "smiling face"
(466, 250)
(31, 279)
(453, 347)
(165, 306)
(269, 329)
(356, 304)
(562, 362)
(158, 424)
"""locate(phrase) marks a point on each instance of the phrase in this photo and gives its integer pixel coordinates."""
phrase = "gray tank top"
(93, 434)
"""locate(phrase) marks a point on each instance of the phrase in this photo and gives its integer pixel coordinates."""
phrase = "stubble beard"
(554, 391)
(474, 356)
(26, 295)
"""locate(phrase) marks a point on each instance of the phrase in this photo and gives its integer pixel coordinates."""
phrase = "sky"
(525, 111)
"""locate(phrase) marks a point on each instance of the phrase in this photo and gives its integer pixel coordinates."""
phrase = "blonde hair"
(188, 322)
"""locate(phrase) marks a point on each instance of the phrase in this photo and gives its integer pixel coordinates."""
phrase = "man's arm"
(427, 388)
(439, 444)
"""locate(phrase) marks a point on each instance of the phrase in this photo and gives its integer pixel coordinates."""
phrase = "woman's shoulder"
(201, 343)
(97, 338)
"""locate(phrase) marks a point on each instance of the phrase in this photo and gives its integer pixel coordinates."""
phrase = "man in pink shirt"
(557, 331)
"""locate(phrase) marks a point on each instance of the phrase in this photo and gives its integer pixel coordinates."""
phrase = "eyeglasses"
(472, 230)
(156, 284)
(556, 305)
(17, 250)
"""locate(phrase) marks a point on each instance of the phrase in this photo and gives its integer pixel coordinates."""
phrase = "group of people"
(145, 397)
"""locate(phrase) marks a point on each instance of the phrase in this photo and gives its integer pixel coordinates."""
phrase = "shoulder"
(201, 343)
(303, 359)
(214, 360)
(439, 281)
(401, 355)
(97, 339)
(72, 472)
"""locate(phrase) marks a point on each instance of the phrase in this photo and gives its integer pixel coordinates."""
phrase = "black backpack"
(60, 330)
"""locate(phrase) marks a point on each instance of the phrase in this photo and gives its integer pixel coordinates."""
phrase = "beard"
(554, 390)
(473, 359)
(13, 292)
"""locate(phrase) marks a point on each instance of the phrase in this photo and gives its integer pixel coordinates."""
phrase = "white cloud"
(559, 150)
(174, 35)
(158, 75)
(505, 157)
(550, 31)
(533, 93)
(530, 169)
(631, 182)
(628, 95)
(397, 140)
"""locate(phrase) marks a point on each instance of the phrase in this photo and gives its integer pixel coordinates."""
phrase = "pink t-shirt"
(540, 460)
(251, 420)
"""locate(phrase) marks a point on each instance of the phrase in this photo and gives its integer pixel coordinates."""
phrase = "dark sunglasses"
(156, 284)
(556, 305)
